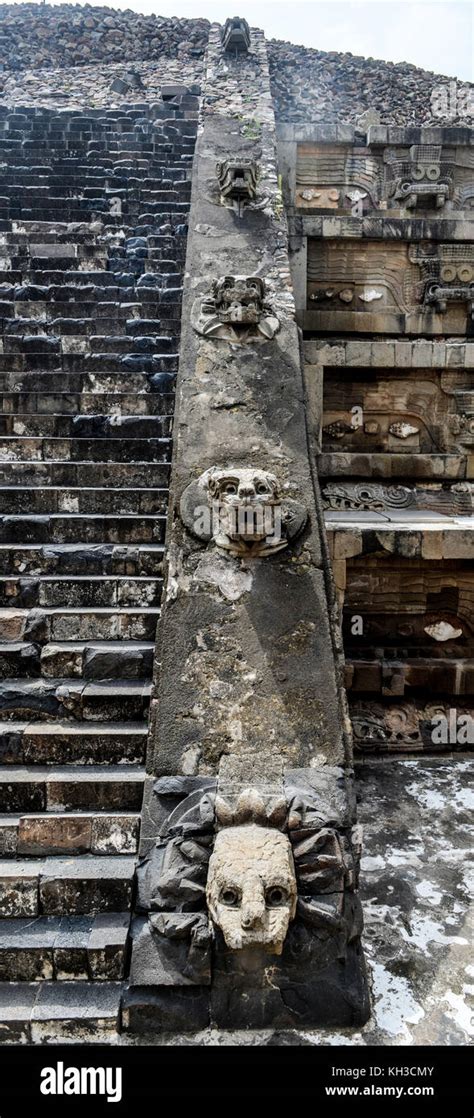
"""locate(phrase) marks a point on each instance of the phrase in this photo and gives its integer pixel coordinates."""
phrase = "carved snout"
(253, 904)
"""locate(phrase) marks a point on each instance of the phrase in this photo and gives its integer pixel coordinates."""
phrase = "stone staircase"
(93, 211)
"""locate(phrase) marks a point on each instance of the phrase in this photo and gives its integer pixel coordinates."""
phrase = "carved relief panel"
(409, 608)
(427, 412)
(412, 726)
(389, 287)
(337, 177)
(350, 178)
(371, 496)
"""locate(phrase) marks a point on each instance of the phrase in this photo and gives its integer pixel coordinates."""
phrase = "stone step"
(98, 788)
(87, 403)
(51, 1012)
(117, 700)
(82, 558)
(45, 625)
(47, 345)
(75, 590)
(91, 528)
(55, 499)
(72, 743)
(34, 835)
(85, 474)
(98, 659)
(17, 449)
(53, 886)
(28, 425)
(64, 947)
(100, 384)
(84, 659)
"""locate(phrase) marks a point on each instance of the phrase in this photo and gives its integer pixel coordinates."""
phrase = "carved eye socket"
(433, 172)
(230, 488)
(448, 273)
(261, 487)
(276, 896)
(230, 897)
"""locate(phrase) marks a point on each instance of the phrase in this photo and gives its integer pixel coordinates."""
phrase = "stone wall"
(325, 87)
(71, 35)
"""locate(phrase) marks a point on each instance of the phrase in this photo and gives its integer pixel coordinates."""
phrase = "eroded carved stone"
(237, 182)
(235, 310)
(367, 496)
(422, 178)
(448, 271)
(439, 418)
(242, 510)
(371, 497)
(408, 726)
(236, 36)
(335, 176)
(251, 887)
(388, 279)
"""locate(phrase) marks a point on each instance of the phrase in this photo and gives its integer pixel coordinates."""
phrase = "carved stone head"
(244, 511)
(237, 182)
(236, 35)
(251, 887)
(246, 507)
(235, 310)
(239, 299)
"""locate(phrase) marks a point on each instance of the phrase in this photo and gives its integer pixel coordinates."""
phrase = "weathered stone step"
(86, 404)
(98, 659)
(116, 701)
(17, 449)
(28, 425)
(82, 558)
(63, 947)
(96, 788)
(94, 309)
(49, 345)
(73, 743)
(91, 362)
(85, 474)
(55, 499)
(102, 384)
(34, 835)
(85, 659)
(77, 590)
(80, 623)
(75, 886)
(93, 527)
(50, 1012)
